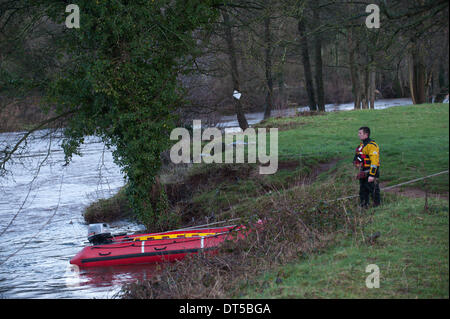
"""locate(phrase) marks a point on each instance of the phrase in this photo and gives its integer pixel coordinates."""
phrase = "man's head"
(364, 133)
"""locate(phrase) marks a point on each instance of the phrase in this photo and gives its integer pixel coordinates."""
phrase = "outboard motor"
(98, 234)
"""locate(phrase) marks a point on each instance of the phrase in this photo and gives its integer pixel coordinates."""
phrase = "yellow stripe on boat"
(172, 236)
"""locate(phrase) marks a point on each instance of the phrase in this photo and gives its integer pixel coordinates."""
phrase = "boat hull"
(154, 248)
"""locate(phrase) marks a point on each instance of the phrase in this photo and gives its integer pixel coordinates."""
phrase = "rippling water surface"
(41, 225)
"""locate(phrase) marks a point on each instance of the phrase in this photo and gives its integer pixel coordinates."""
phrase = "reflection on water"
(108, 276)
(41, 226)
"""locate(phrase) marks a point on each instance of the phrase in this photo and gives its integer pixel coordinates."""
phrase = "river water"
(41, 223)
(231, 123)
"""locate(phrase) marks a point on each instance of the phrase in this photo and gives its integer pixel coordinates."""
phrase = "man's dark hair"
(366, 130)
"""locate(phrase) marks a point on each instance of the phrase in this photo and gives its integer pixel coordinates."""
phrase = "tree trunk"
(354, 71)
(268, 64)
(435, 82)
(429, 87)
(282, 96)
(371, 82)
(372, 87)
(306, 65)
(365, 84)
(398, 84)
(319, 64)
(417, 75)
(243, 124)
(411, 81)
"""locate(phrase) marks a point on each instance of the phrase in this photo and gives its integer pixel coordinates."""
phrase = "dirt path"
(413, 192)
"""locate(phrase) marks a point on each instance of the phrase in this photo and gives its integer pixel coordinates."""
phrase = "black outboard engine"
(98, 234)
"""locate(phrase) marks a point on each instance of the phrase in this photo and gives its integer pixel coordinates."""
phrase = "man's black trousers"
(367, 190)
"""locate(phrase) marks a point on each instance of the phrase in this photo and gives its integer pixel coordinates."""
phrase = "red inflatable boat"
(108, 250)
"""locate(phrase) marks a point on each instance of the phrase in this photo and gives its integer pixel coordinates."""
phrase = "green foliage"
(120, 81)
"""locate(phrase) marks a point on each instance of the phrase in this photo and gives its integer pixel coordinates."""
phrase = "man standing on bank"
(367, 157)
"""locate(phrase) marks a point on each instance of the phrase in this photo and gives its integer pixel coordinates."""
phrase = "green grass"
(413, 249)
(413, 140)
(412, 255)
(109, 209)
(412, 252)
(240, 184)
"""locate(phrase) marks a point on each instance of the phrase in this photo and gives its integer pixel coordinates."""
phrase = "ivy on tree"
(120, 82)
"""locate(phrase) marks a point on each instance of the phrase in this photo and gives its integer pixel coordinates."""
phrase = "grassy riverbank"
(412, 255)
(311, 248)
